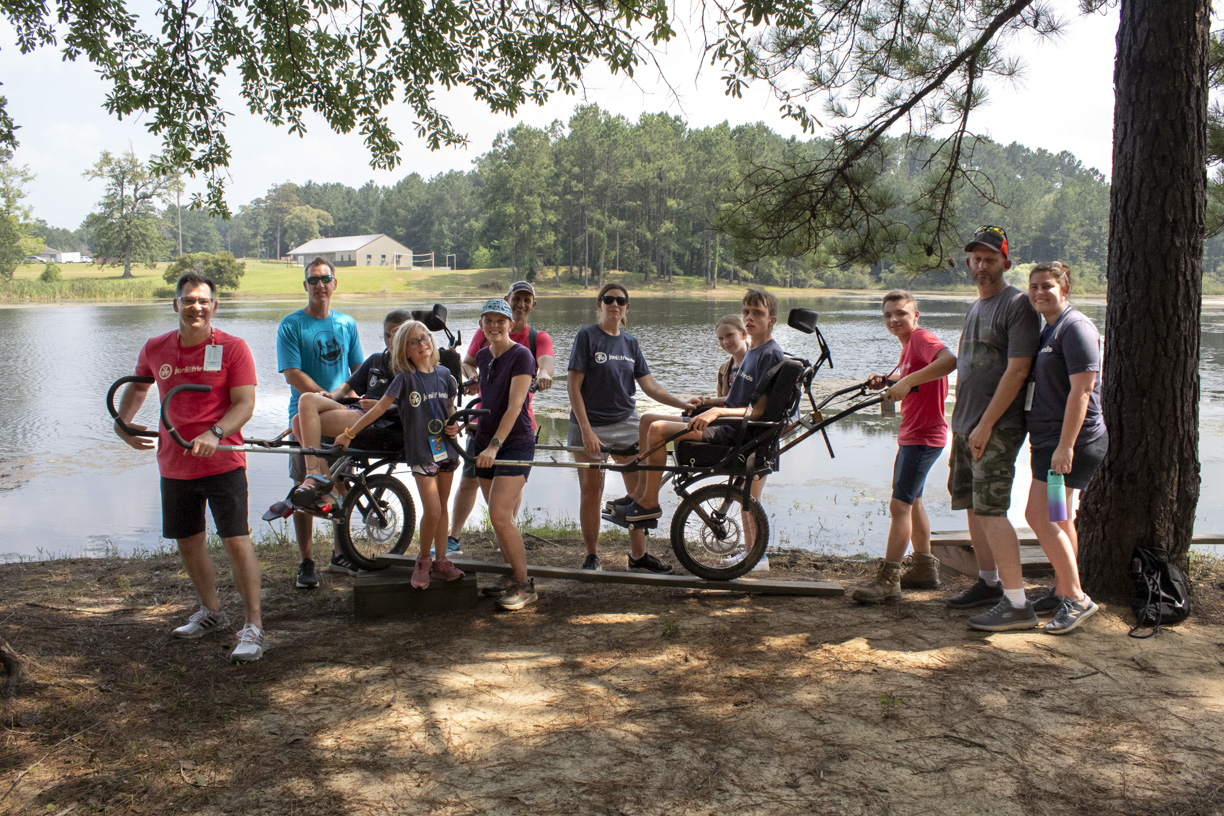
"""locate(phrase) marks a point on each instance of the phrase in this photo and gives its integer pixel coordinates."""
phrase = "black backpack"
(1161, 595)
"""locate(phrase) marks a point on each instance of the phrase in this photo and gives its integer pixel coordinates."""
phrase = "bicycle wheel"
(708, 536)
(377, 517)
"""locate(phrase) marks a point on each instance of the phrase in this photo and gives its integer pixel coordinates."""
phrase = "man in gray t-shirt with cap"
(993, 359)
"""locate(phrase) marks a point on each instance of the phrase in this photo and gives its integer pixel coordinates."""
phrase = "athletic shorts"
(1085, 460)
(910, 470)
(434, 468)
(524, 453)
(183, 503)
(984, 485)
(621, 435)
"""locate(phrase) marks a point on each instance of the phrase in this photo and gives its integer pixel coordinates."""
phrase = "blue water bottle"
(1056, 495)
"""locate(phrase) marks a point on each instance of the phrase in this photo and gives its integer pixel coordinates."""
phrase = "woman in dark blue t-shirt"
(605, 366)
(1066, 435)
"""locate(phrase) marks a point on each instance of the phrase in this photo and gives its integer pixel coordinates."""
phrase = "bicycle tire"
(377, 517)
(717, 550)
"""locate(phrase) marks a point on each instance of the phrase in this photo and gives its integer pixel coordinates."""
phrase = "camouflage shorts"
(984, 485)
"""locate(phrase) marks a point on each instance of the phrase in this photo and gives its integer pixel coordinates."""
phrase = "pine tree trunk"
(1148, 487)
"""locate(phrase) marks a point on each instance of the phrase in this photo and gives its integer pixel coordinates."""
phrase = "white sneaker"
(202, 623)
(250, 644)
(762, 565)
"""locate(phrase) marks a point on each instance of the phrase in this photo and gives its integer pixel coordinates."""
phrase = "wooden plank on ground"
(955, 551)
(752, 585)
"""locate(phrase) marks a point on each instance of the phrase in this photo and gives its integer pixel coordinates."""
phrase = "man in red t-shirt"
(522, 300)
(197, 353)
(925, 362)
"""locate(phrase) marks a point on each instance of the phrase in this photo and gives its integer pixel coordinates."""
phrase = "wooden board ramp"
(757, 586)
(955, 552)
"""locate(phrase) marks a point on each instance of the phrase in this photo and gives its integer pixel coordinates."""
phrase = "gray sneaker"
(980, 594)
(592, 563)
(306, 578)
(202, 623)
(518, 595)
(1048, 603)
(495, 589)
(1003, 617)
(1071, 615)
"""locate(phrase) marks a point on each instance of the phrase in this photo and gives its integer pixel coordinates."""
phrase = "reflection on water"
(69, 486)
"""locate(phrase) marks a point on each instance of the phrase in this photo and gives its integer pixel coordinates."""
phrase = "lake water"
(68, 486)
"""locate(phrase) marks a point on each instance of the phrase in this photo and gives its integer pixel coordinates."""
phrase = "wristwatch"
(495, 442)
(217, 431)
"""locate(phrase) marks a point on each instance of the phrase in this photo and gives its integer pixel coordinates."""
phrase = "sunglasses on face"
(314, 279)
(991, 230)
(423, 340)
(619, 300)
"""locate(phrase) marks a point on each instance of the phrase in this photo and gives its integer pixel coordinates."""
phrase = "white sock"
(991, 577)
(1015, 597)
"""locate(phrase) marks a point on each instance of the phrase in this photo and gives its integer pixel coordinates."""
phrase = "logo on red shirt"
(165, 371)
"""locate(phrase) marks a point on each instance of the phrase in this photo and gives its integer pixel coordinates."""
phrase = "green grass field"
(273, 279)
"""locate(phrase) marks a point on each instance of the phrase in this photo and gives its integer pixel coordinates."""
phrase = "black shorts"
(523, 453)
(1085, 460)
(183, 503)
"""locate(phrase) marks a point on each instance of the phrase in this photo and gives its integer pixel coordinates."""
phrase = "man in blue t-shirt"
(760, 311)
(316, 350)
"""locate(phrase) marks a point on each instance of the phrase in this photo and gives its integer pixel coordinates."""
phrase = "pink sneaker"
(447, 571)
(420, 573)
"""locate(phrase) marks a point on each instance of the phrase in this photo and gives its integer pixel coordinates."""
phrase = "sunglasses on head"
(313, 279)
(990, 229)
(619, 300)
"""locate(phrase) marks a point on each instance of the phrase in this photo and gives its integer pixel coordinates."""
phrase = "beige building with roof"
(355, 250)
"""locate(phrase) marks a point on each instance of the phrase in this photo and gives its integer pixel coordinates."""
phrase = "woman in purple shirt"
(1066, 434)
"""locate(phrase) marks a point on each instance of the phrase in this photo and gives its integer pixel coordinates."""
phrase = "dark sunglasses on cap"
(619, 300)
(313, 279)
(990, 229)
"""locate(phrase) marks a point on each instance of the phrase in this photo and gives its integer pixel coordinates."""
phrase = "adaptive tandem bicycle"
(709, 534)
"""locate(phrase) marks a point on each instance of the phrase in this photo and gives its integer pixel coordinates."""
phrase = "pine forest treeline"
(654, 199)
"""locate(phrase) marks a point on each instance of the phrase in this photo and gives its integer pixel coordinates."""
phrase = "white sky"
(1062, 101)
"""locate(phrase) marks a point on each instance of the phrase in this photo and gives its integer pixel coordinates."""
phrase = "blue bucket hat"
(497, 306)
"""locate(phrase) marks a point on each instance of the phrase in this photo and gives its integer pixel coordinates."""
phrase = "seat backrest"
(783, 395)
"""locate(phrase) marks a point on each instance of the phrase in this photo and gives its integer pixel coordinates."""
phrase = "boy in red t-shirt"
(197, 353)
(925, 362)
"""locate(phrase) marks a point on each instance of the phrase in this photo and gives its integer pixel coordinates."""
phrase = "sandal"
(317, 498)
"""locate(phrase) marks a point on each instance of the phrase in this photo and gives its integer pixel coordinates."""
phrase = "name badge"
(212, 358)
(1028, 396)
(438, 448)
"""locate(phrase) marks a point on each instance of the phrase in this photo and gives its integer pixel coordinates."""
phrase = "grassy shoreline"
(271, 280)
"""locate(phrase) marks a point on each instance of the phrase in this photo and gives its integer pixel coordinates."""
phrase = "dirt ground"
(598, 699)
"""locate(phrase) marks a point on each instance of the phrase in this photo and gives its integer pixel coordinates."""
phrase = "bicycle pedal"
(645, 524)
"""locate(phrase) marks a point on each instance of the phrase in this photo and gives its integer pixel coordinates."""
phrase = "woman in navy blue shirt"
(1066, 435)
(605, 366)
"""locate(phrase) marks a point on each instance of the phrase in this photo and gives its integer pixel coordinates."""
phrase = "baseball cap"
(497, 306)
(991, 237)
(521, 286)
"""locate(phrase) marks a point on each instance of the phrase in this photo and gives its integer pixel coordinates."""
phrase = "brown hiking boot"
(923, 572)
(885, 587)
